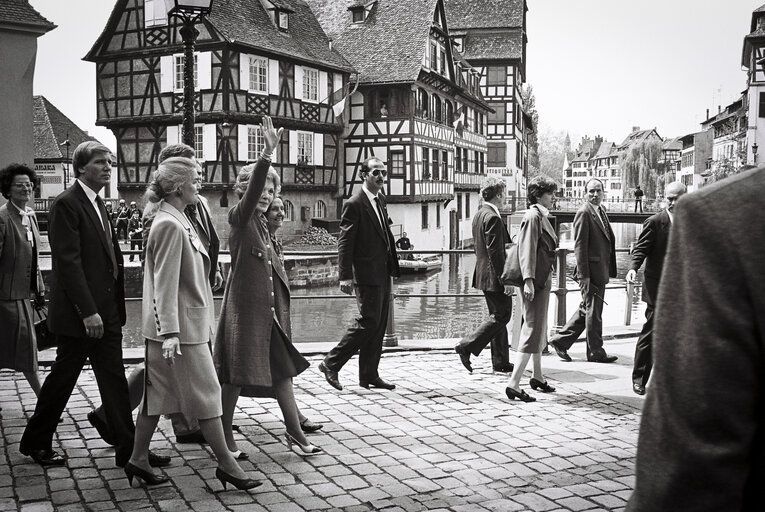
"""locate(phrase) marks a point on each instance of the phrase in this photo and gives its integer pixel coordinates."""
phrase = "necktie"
(193, 215)
(603, 219)
(382, 221)
(108, 231)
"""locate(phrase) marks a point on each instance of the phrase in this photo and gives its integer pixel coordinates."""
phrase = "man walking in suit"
(86, 310)
(490, 237)
(595, 251)
(651, 247)
(367, 260)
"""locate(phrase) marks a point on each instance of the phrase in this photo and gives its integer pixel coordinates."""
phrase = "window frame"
(254, 77)
(310, 85)
(256, 147)
(393, 162)
(302, 138)
(179, 62)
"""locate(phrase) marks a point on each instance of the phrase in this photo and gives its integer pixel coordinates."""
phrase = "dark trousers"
(136, 244)
(639, 203)
(589, 317)
(366, 336)
(493, 330)
(641, 369)
(122, 229)
(105, 357)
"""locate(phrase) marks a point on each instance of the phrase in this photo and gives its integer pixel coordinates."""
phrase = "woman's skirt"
(190, 386)
(534, 331)
(285, 361)
(18, 344)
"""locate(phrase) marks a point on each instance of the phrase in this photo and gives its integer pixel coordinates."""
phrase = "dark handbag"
(45, 338)
(512, 274)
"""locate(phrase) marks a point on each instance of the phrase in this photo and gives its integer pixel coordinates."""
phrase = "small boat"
(420, 265)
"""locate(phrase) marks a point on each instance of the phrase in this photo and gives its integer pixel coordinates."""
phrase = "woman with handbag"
(20, 276)
(536, 254)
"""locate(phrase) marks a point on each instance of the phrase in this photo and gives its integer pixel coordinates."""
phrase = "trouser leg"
(641, 370)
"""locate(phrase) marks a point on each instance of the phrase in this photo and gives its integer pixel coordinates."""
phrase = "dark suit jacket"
(489, 236)
(651, 248)
(363, 253)
(702, 435)
(82, 282)
(594, 247)
(209, 236)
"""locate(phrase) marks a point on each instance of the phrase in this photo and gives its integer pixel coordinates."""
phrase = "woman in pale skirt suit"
(536, 251)
(178, 324)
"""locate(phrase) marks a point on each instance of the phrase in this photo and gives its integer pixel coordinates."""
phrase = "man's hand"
(170, 347)
(218, 281)
(528, 289)
(631, 276)
(94, 326)
(508, 289)
(346, 286)
(584, 285)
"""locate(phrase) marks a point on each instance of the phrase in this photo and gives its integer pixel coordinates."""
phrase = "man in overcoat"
(651, 247)
(367, 261)
(595, 251)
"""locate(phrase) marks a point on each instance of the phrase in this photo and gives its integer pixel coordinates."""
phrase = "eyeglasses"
(26, 184)
(378, 172)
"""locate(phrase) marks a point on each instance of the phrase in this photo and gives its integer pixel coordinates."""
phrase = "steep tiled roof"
(248, 23)
(675, 144)
(605, 149)
(494, 45)
(484, 14)
(388, 46)
(19, 12)
(52, 128)
(636, 137)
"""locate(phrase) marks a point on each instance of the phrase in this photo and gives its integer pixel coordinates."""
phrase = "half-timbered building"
(417, 107)
(252, 58)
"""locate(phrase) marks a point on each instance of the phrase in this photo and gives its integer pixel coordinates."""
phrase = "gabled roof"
(494, 45)
(485, 14)
(675, 144)
(605, 149)
(389, 45)
(51, 129)
(19, 13)
(638, 136)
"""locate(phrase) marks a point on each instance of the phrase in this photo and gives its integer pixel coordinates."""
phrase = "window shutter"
(298, 82)
(323, 87)
(273, 77)
(204, 71)
(241, 137)
(244, 71)
(293, 147)
(209, 142)
(166, 73)
(318, 148)
(173, 133)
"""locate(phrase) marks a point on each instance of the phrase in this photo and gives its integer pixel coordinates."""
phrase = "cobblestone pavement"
(443, 440)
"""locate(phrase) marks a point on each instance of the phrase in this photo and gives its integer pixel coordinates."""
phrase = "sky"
(597, 67)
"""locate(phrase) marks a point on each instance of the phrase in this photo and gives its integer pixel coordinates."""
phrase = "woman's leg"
(229, 397)
(521, 360)
(286, 398)
(34, 381)
(144, 430)
(212, 429)
(537, 362)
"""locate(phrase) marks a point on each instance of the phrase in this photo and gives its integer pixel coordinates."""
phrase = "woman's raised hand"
(271, 136)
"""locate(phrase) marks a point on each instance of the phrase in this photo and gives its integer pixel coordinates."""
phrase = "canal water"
(325, 320)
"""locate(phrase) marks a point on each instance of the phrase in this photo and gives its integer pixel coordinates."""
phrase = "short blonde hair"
(245, 173)
(169, 177)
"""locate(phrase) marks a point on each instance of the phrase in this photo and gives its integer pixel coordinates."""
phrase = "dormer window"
(357, 14)
(284, 20)
(459, 42)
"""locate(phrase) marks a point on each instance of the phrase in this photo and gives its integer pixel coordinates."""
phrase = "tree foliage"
(530, 107)
(552, 150)
(640, 167)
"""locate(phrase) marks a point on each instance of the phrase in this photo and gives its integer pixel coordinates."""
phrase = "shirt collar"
(493, 207)
(369, 194)
(88, 191)
(671, 216)
(544, 211)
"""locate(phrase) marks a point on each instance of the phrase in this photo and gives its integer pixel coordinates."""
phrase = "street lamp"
(66, 143)
(189, 12)
(754, 152)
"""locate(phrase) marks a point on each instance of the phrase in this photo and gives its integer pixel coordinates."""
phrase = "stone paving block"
(37, 507)
(584, 490)
(503, 505)
(575, 503)
(343, 501)
(608, 501)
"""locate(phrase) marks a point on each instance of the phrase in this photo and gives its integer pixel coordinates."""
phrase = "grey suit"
(702, 436)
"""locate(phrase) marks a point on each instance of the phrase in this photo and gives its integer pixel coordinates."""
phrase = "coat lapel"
(180, 217)
(596, 219)
(91, 213)
(373, 214)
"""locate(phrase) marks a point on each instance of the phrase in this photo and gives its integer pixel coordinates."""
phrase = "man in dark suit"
(702, 435)
(490, 237)
(367, 260)
(595, 251)
(651, 247)
(86, 310)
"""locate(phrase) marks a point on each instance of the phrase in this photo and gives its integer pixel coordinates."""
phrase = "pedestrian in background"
(135, 233)
(123, 215)
(537, 242)
(638, 198)
(20, 276)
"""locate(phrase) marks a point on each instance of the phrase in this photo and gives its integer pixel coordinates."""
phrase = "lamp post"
(189, 12)
(754, 152)
(66, 143)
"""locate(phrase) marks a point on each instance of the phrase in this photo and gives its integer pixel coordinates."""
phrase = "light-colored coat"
(242, 344)
(17, 256)
(536, 234)
(177, 298)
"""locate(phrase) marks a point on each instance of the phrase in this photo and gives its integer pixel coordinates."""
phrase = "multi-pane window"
(425, 163)
(464, 160)
(319, 209)
(199, 140)
(179, 60)
(497, 75)
(396, 163)
(436, 166)
(154, 13)
(305, 148)
(259, 74)
(444, 163)
(255, 143)
(458, 160)
(284, 20)
(289, 211)
(310, 84)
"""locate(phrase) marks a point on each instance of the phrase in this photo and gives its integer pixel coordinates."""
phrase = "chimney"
(707, 114)
(635, 129)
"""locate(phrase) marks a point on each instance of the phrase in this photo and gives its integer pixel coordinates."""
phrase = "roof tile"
(19, 12)
(52, 128)
(486, 14)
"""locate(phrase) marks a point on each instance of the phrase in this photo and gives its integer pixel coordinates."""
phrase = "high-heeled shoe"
(240, 455)
(520, 395)
(148, 477)
(305, 449)
(243, 484)
(541, 386)
(309, 427)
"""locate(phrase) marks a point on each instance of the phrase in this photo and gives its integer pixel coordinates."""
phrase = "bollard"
(628, 304)
(560, 292)
(390, 339)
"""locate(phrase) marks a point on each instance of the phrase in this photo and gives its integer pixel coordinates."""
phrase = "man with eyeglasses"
(651, 247)
(367, 260)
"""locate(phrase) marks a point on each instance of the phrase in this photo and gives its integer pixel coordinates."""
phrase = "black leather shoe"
(45, 457)
(377, 383)
(639, 389)
(562, 353)
(331, 376)
(309, 427)
(544, 387)
(464, 357)
(504, 368)
(604, 359)
(148, 478)
(102, 428)
(191, 438)
(158, 461)
(520, 395)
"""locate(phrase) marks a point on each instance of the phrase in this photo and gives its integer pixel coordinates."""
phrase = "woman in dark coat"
(20, 277)
(253, 346)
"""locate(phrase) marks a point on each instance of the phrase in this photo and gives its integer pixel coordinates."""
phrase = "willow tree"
(640, 167)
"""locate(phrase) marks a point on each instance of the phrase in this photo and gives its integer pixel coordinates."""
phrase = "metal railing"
(616, 205)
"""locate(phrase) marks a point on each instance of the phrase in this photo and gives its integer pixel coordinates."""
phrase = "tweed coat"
(651, 247)
(489, 236)
(594, 246)
(702, 435)
(249, 310)
(18, 259)
(536, 247)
